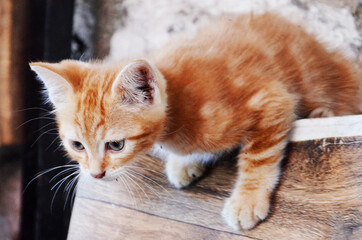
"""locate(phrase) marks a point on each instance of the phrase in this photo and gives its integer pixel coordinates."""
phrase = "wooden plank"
(147, 226)
(319, 195)
(5, 64)
(12, 69)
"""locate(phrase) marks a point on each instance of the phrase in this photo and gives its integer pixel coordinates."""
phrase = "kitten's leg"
(182, 170)
(258, 170)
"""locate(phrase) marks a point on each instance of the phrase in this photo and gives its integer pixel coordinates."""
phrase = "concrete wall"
(131, 28)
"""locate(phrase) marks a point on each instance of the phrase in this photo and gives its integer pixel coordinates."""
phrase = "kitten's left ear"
(137, 83)
(57, 86)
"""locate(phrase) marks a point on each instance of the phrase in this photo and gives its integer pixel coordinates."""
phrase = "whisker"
(153, 189)
(147, 185)
(32, 108)
(37, 118)
(45, 126)
(80, 58)
(132, 186)
(131, 190)
(44, 172)
(61, 183)
(62, 172)
(62, 180)
(43, 135)
(58, 137)
(127, 175)
(75, 189)
(68, 188)
(142, 175)
(78, 185)
(60, 145)
(128, 189)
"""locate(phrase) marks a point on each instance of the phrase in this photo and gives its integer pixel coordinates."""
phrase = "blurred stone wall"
(355, 8)
(95, 21)
(119, 29)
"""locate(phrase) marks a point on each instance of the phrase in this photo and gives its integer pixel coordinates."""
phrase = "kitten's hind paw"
(244, 211)
(181, 175)
(321, 112)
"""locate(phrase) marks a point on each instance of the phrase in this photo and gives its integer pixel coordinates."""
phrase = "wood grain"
(12, 68)
(147, 225)
(5, 54)
(319, 197)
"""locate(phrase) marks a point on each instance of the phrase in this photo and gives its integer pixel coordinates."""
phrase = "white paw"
(244, 211)
(181, 175)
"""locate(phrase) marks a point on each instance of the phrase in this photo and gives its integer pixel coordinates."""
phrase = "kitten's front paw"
(181, 175)
(244, 211)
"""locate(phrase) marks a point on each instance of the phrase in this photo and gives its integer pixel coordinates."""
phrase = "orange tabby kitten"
(240, 81)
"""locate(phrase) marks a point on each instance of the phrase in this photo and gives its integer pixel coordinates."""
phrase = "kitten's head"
(106, 114)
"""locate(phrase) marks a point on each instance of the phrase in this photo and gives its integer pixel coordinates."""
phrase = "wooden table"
(319, 197)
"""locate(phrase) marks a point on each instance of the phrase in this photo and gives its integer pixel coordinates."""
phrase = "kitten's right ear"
(137, 84)
(57, 87)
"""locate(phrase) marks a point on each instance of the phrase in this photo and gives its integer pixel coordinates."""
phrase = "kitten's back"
(255, 50)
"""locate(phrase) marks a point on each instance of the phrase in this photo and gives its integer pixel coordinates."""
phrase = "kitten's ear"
(137, 83)
(57, 87)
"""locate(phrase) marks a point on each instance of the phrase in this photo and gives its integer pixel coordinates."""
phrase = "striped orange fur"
(240, 81)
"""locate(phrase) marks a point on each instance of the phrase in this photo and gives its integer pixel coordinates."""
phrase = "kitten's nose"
(99, 175)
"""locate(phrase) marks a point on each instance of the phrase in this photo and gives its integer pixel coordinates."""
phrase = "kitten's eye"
(77, 145)
(115, 146)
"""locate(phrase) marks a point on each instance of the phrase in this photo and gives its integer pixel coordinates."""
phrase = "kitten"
(241, 81)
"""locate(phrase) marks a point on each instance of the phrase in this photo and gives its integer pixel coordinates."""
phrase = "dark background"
(48, 39)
